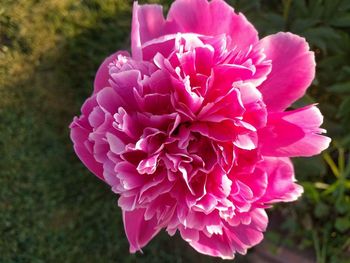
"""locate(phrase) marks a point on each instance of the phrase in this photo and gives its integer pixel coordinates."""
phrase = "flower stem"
(286, 9)
(331, 164)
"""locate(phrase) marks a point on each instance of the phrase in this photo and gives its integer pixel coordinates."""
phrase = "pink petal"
(185, 13)
(96, 117)
(294, 133)
(148, 23)
(116, 145)
(247, 141)
(214, 18)
(128, 176)
(189, 234)
(244, 237)
(79, 135)
(138, 230)
(259, 219)
(233, 239)
(127, 202)
(162, 206)
(216, 246)
(218, 184)
(256, 181)
(224, 107)
(281, 186)
(102, 75)
(223, 77)
(109, 174)
(256, 113)
(109, 100)
(124, 83)
(293, 69)
(206, 204)
(163, 45)
(149, 165)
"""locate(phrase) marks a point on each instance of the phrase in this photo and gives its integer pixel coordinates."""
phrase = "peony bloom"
(192, 131)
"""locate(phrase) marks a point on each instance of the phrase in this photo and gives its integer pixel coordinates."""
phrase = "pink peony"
(192, 132)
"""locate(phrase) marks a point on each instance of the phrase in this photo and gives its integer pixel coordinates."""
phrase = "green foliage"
(53, 210)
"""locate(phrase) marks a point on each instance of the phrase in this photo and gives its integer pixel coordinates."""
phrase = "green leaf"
(316, 8)
(330, 8)
(322, 37)
(344, 5)
(344, 108)
(342, 21)
(276, 21)
(299, 25)
(340, 87)
(312, 166)
(331, 189)
(321, 210)
(345, 141)
(311, 192)
(342, 224)
(300, 7)
(342, 206)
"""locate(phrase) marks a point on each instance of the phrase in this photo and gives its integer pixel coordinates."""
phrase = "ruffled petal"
(233, 239)
(147, 22)
(138, 230)
(294, 133)
(281, 186)
(293, 69)
(214, 18)
(216, 245)
(102, 74)
(79, 134)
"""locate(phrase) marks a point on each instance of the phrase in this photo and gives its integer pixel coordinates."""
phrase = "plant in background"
(192, 131)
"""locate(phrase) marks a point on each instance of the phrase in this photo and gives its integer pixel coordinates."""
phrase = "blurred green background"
(53, 210)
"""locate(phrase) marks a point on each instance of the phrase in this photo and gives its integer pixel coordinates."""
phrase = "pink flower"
(192, 131)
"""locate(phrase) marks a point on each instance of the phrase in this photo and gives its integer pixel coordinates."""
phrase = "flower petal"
(293, 133)
(293, 69)
(214, 18)
(233, 239)
(281, 186)
(138, 230)
(146, 22)
(102, 75)
(79, 134)
(217, 245)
